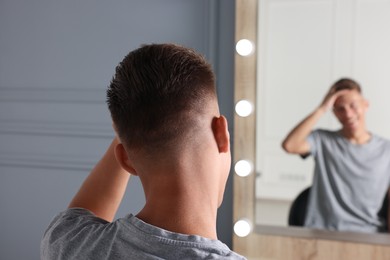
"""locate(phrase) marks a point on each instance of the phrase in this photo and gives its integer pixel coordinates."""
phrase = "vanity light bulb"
(243, 168)
(244, 47)
(243, 108)
(242, 228)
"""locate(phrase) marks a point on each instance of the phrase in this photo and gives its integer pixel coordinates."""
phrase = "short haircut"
(347, 83)
(157, 94)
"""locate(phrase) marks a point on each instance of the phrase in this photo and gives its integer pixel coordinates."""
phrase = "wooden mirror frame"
(269, 242)
(244, 127)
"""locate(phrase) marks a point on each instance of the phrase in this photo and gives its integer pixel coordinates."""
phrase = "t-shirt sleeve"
(68, 232)
(311, 139)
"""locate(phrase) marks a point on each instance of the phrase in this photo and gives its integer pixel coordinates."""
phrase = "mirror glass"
(303, 48)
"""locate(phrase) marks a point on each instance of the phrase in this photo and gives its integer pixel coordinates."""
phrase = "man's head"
(164, 108)
(346, 83)
(157, 95)
(350, 107)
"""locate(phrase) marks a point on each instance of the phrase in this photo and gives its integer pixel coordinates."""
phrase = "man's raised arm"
(296, 140)
(103, 189)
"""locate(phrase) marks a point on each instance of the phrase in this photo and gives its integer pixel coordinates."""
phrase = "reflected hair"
(347, 83)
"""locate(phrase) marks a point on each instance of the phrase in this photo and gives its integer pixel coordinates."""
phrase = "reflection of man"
(352, 165)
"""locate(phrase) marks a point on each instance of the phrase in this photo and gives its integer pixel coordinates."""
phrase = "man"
(170, 134)
(352, 165)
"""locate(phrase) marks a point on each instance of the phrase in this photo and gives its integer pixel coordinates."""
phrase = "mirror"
(300, 49)
(303, 48)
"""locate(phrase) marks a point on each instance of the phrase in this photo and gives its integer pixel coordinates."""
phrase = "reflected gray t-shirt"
(350, 183)
(79, 234)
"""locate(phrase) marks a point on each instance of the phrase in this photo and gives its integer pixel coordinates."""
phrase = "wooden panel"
(273, 247)
(244, 128)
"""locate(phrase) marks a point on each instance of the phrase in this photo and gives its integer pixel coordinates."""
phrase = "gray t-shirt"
(350, 183)
(79, 234)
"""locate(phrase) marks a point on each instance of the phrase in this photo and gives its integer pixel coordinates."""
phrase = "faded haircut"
(157, 94)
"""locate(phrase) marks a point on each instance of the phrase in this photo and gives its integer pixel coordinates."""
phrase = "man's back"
(78, 234)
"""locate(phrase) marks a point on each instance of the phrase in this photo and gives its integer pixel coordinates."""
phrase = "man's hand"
(296, 141)
(331, 98)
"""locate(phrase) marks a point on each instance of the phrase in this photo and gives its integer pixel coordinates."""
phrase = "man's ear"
(221, 134)
(367, 103)
(123, 159)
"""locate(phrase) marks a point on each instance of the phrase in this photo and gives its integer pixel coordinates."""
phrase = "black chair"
(297, 213)
(383, 212)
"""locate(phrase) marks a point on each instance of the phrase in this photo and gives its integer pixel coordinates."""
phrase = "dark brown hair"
(157, 93)
(347, 83)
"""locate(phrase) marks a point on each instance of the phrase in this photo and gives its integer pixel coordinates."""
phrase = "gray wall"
(56, 59)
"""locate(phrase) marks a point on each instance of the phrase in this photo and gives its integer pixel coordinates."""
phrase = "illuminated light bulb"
(242, 228)
(243, 108)
(243, 168)
(244, 47)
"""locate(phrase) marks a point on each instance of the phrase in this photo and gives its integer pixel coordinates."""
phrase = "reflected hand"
(331, 97)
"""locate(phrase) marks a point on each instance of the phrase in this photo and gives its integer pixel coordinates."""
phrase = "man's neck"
(361, 136)
(183, 190)
(180, 215)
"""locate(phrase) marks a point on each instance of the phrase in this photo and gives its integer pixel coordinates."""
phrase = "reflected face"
(350, 109)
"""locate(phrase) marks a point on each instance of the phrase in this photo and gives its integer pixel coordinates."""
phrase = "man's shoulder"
(81, 234)
(380, 138)
(380, 141)
(325, 133)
